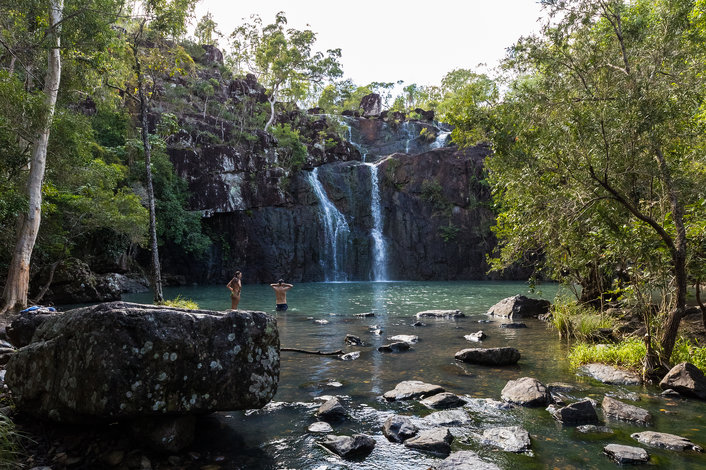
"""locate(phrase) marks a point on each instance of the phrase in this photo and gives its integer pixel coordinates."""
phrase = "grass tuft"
(180, 302)
(9, 444)
(686, 350)
(629, 353)
(575, 321)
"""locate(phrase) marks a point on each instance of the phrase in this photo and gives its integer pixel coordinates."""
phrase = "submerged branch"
(318, 353)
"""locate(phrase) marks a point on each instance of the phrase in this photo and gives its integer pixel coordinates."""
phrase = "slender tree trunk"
(156, 269)
(272, 111)
(700, 302)
(17, 285)
(12, 65)
(678, 311)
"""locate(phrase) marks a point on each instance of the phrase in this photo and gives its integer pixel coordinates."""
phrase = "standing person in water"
(281, 289)
(235, 286)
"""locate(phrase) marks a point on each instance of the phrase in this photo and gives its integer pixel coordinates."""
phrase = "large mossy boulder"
(123, 361)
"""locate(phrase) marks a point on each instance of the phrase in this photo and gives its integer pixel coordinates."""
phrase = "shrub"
(628, 353)
(180, 302)
(9, 444)
(687, 351)
(576, 321)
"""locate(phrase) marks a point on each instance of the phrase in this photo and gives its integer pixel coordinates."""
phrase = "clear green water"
(276, 437)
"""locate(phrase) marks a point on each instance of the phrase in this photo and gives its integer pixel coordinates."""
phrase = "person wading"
(235, 286)
(281, 289)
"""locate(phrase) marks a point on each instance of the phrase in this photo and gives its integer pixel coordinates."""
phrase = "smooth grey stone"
(489, 356)
(610, 375)
(449, 418)
(332, 411)
(410, 339)
(686, 379)
(626, 455)
(359, 445)
(616, 409)
(476, 337)
(581, 412)
(509, 439)
(519, 306)
(440, 314)
(443, 401)
(437, 441)
(320, 426)
(399, 428)
(465, 460)
(412, 389)
(526, 391)
(667, 441)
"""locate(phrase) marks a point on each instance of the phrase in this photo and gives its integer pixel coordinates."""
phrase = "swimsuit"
(281, 307)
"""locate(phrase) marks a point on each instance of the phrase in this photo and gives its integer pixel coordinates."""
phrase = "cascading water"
(379, 249)
(336, 231)
(441, 139)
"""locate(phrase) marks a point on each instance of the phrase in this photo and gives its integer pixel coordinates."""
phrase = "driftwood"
(318, 353)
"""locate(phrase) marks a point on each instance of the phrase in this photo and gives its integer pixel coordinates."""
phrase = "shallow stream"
(277, 438)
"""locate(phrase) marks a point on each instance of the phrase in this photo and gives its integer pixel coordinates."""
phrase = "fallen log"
(318, 353)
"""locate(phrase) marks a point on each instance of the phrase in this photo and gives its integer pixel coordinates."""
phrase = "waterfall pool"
(276, 437)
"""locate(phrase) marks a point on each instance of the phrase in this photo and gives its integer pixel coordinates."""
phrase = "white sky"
(390, 40)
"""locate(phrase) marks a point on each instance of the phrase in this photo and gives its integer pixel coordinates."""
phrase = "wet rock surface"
(616, 409)
(444, 401)
(410, 339)
(489, 356)
(519, 306)
(476, 337)
(412, 389)
(440, 314)
(626, 455)
(171, 361)
(436, 441)
(320, 427)
(685, 379)
(576, 414)
(526, 391)
(455, 417)
(594, 429)
(465, 460)
(665, 440)
(356, 446)
(332, 411)
(399, 428)
(509, 438)
(610, 375)
(394, 347)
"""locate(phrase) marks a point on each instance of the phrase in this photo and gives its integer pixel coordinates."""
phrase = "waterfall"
(441, 139)
(410, 136)
(336, 232)
(379, 249)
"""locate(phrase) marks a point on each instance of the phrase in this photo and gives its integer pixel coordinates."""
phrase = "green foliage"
(180, 302)
(289, 140)
(579, 322)
(629, 353)
(206, 30)
(687, 350)
(432, 192)
(10, 449)
(449, 232)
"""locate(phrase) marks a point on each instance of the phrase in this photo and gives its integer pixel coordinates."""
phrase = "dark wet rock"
(357, 446)
(394, 347)
(332, 411)
(455, 417)
(669, 393)
(561, 387)
(351, 356)
(412, 389)
(353, 340)
(581, 412)
(623, 395)
(74, 282)
(489, 356)
(371, 105)
(22, 328)
(513, 325)
(465, 460)
(610, 375)
(443, 400)
(399, 428)
(440, 314)
(594, 429)
(320, 427)
(166, 434)
(509, 439)
(526, 391)
(476, 337)
(364, 315)
(667, 441)
(425, 115)
(626, 455)
(686, 379)
(418, 323)
(488, 405)
(170, 361)
(436, 441)
(519, 306)
(212, 55)
(616, 409)
(410, 339)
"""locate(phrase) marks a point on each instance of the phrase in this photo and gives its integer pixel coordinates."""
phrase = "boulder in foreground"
(526, 391)
(610, 375)
(667, 441)
(626, 455)
(687, 379)
(489, 356)
(348, 447)
(519, 306)
(122, 360)
(412, 389)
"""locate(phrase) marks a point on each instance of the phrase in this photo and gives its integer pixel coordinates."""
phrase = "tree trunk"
(15, 292)
(156, 270)
(272, 111)
(700, 302)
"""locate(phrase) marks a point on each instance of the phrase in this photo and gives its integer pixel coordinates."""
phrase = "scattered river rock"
(626, 455)
(526, 391)
(667, 441)
(436, 441)
(476, 337)
(448, 418)
(353, 340)
(332, 411)
(443, 401)
(610, 375)
(581, 412)
(513, 325)
(509, 439)
(616, 409)
(519, 306)
(399, 428)
(594, 429)
(686, 379)
(412, 389)
(410, 339)
(171, 362)
(394, 347)
(351, 356)
(320, 427)
(465, 460)
(440, 314)
(489, 356)
(359, 445)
